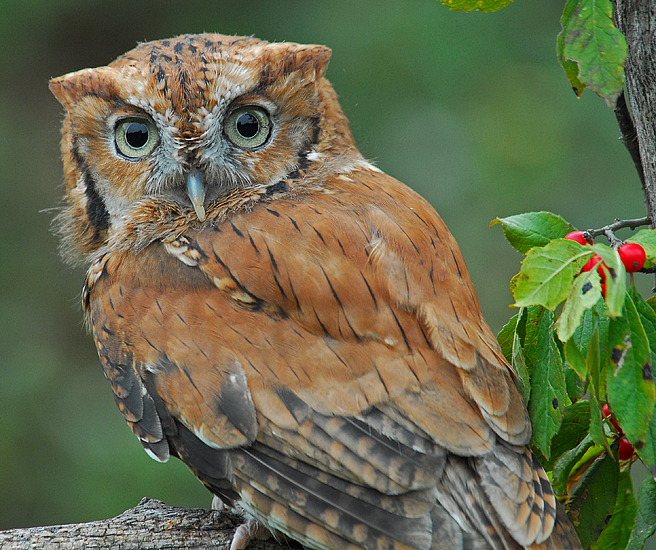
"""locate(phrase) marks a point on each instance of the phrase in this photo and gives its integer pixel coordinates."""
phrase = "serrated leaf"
(575, 359)
(480, 5)
(566, 462)
(591, 40)
(506, 336)
(571, 68)
(585, 293)
(547, 273)
(593, 498)
(615, 278)
(574, 428)
(645, 523)
(584, 331)
(603, 318)
(524, 231)
(531, 327)
(647, 239)
(592, 365)
(647, 453)
(629, 375)
(574, 385)
(617, 532)
(647, 317)
(547, 380)
(518, 365)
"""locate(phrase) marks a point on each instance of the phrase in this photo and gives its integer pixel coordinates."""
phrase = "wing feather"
(329, 367)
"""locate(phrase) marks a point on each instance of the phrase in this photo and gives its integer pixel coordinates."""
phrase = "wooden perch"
(151, 525)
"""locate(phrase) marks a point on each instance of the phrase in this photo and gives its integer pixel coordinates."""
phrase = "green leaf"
(584, 331)
(547, 273)
(604, 319)
(648, 453)
(480, 5)
(574, 385)
(574, 428)
(617, 532)
(647, 239)
(645, 523)
(524, 231)
(518, 364)
(629, 376)
(575, 359)
(615, 278)
(531, 327)
(571, 68)
(566, 462)
(591, 40)
(647, 317)
(592, 365)
(506, 336)
(585, 293)
(593, 498)
(547, 379)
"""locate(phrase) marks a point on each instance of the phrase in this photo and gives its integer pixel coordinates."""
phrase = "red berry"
(626, 449)
(633, 256)
(577, 236)
(606, 410)
(596, 259)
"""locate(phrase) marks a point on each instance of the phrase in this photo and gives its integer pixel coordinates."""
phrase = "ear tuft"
(310, 61)
(68, 89)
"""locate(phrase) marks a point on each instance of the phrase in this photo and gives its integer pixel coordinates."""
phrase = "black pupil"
(247, 125)
(136, 134)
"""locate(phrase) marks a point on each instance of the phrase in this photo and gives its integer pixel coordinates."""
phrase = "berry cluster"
(632, 255)
(626, 449)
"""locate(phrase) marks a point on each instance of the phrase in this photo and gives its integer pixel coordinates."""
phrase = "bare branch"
(151, 525)
(609, 230)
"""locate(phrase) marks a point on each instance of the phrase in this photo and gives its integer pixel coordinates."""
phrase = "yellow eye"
(136, 137)
(248, 126)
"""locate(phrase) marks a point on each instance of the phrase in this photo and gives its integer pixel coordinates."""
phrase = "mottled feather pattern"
(296, 326)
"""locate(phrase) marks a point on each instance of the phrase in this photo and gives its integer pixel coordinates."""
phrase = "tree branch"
(609, 230)
(151, 525)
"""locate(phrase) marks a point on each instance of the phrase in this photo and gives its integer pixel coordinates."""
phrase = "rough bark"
(637, 21)
(151, 525)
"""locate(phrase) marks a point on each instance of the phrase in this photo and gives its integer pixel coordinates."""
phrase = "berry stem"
(609, 230)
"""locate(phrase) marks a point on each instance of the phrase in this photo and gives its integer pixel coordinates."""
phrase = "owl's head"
(183, 122)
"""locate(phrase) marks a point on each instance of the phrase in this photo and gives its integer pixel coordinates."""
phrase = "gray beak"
(196, 192)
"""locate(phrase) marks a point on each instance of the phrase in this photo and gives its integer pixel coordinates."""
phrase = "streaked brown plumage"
(296, 326)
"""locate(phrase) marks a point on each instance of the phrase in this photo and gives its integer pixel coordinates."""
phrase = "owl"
(294, 325)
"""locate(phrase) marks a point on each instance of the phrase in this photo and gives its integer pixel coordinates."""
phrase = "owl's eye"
(136, 137)
(248, 126)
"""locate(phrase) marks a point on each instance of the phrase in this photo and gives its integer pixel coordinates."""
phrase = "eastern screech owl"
(296, 326)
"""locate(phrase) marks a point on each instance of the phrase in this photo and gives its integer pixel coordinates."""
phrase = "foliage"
(576, 348)
(480, 5)
(590, 48)
(581, 342)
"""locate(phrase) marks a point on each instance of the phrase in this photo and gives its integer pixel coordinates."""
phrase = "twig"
(609, 230)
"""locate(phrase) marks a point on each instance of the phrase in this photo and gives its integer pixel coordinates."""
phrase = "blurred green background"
(471, 110)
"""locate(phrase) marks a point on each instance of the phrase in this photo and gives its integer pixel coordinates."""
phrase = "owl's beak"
(196, 191)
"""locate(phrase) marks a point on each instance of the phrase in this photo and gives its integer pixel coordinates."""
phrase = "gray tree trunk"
(637, 21)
